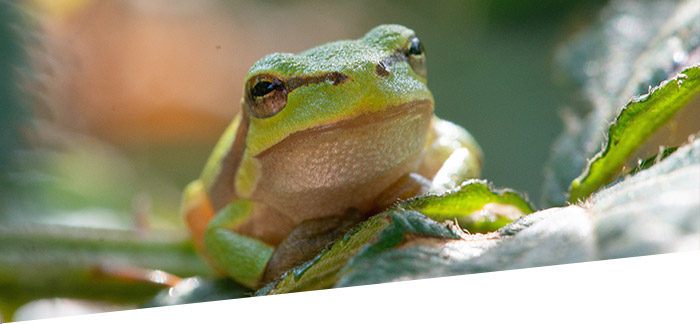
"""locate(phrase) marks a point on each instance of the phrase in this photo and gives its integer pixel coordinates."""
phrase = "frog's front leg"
(218, 238)
(451, 156)
(239, 256)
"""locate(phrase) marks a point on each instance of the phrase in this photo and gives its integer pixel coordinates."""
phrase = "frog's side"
(323, 139)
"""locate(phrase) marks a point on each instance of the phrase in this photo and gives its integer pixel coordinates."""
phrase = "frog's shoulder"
(220, 169)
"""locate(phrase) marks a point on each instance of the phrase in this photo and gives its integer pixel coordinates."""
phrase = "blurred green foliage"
(12, 110)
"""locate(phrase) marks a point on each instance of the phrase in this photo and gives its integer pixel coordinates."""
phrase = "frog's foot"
(452, 156)
(408, 186)
(462, 165)
(307, 240)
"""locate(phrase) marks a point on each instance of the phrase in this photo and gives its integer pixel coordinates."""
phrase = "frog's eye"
(416, 55)
(415, 47)
(266, 95)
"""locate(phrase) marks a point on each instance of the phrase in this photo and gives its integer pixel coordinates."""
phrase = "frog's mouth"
(394, 114)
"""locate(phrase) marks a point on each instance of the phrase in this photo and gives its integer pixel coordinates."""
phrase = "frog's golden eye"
(416, 55)
(266, 95)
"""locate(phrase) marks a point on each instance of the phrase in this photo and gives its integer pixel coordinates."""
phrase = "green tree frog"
(324, 139)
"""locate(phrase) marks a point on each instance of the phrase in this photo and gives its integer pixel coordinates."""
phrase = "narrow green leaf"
(638, 120)
(475, 205)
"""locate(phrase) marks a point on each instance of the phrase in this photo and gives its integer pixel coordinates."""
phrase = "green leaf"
(639, 119)
(475, 205)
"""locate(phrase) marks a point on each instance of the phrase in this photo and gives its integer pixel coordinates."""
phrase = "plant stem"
(44, 261)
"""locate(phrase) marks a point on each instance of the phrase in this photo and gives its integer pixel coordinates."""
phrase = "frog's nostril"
(335, 78)
(381, 70)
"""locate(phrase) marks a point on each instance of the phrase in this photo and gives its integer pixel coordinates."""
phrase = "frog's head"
(379, 74)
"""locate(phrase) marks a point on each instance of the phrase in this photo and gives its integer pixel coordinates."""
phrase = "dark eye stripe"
(336, 78)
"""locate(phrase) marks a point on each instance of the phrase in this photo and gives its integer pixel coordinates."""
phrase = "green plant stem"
(44, 261)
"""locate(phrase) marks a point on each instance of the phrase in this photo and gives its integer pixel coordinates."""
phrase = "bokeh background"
(109, 108)
(135, 93)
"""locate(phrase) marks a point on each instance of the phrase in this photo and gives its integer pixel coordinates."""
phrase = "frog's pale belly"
(324, 171)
